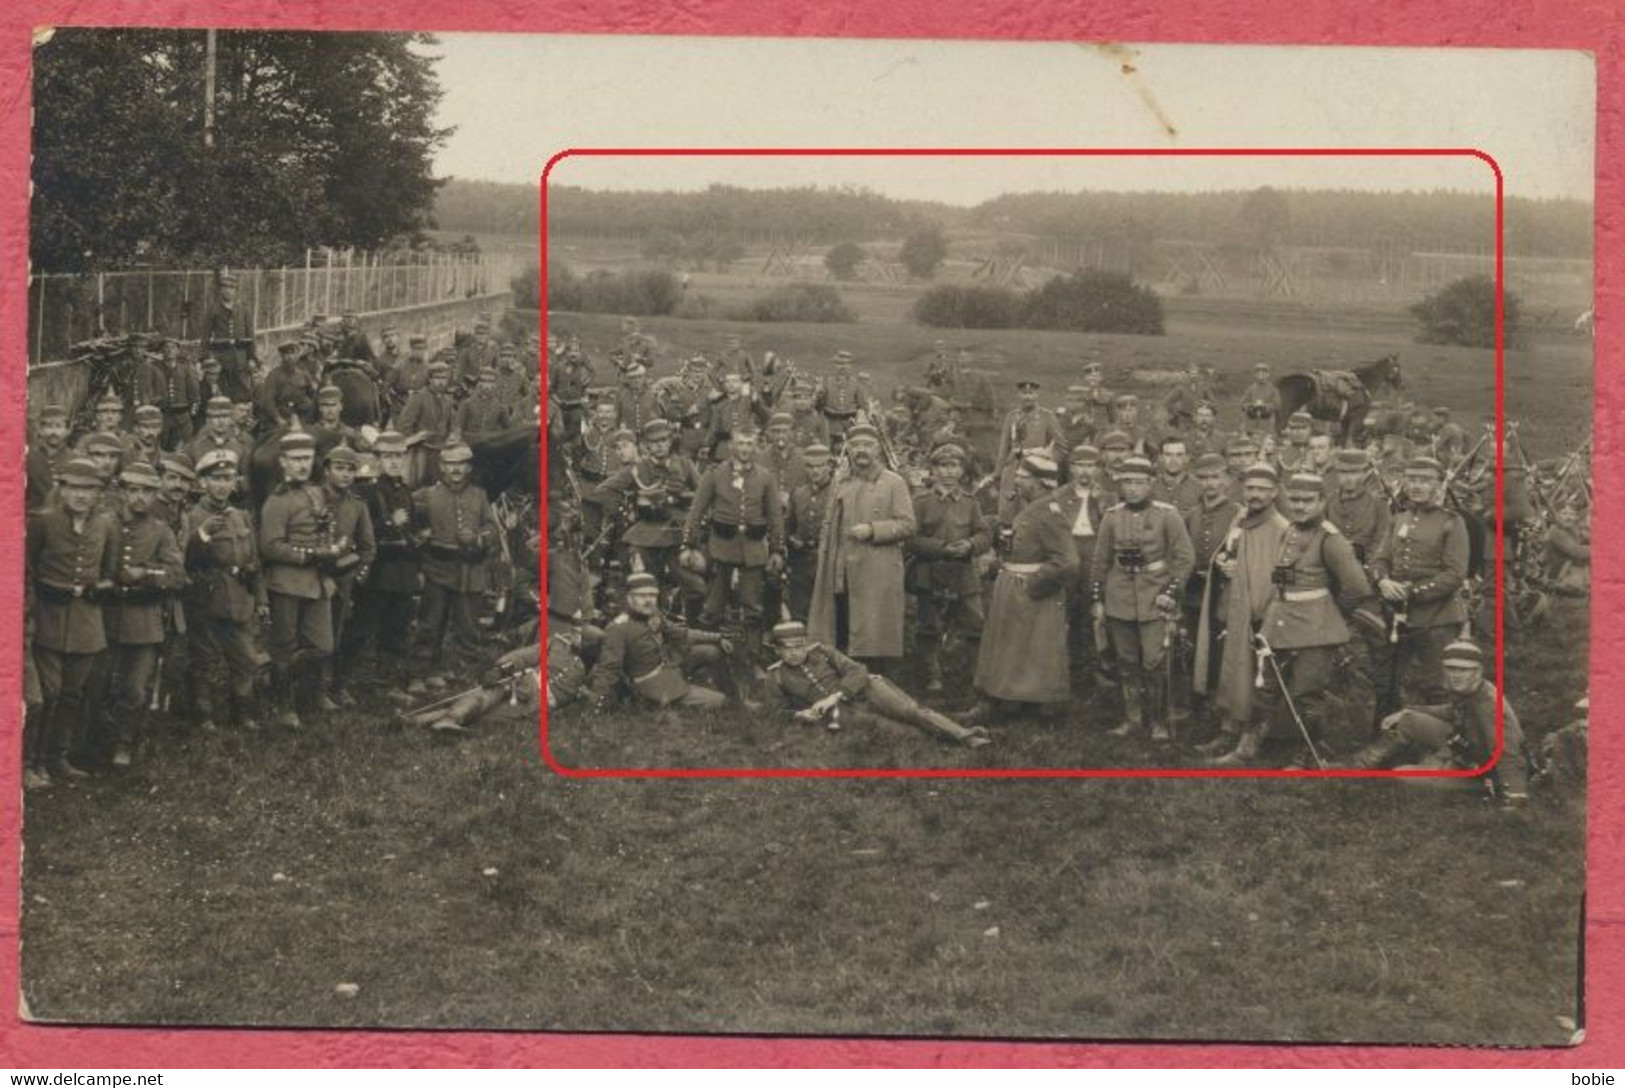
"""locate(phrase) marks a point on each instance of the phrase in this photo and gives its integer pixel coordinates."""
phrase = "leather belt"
(658, 669)
(1023, 568)
(1305, 594)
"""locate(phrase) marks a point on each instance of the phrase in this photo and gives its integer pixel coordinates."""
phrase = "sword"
(1267, 653)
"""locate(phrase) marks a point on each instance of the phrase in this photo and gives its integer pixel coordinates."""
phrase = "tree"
(843, 260)
(1266, 217)
(923, 251)
(1463, 313)
(318, 139)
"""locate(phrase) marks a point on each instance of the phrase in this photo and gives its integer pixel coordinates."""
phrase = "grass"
(459, 883)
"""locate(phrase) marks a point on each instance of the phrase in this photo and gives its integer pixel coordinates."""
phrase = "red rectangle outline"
(1054, 772)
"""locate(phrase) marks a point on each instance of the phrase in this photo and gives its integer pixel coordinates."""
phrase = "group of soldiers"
(747, 531)
(163, 586)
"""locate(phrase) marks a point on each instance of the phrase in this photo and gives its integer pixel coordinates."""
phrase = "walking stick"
(1267, 653)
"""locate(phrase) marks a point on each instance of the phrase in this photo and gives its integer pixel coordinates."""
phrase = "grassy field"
(458, 882)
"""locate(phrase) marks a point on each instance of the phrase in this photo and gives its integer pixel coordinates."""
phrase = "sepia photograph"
(890, 538)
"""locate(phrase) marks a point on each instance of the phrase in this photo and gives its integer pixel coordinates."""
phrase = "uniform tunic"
(648, 653)
(444, 512)
(1029, 429)
(1363, 518)
(288, 392)
(1470, 721)
(1324, 574)
(656, 493)
(1428, 549)
(64, 565)
(1166, 559)
(944, 518)
(1023, 654)
(142, 602)
(740, 507)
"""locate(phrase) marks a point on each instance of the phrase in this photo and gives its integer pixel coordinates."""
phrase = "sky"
(518, 99)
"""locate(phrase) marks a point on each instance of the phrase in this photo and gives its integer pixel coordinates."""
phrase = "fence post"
(186, 298)
(149, 302)
(306, 314)
(327, 288)
(101, 303)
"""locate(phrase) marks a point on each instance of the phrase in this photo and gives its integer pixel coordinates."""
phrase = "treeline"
(1129, 222)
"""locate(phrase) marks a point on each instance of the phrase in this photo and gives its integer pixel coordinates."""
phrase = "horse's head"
(1391, 372)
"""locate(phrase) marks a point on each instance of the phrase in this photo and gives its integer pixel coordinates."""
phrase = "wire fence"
(66, 309)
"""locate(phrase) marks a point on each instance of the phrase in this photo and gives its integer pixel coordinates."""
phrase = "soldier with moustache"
(169, 384)
(1143, 559)
(220, 433)
(1317, 579)
(738, 409)
(951, 531)
(225, 598)
(1077, 418)
(389, 356)
(1419, 567)
(653, 657)
(149, 570)
(1023, 654)
(72, 557)
(1205, 436)
(329, 429)
(1261, 404)
(407, 375)
(147, 429)
(105, 453)
(636, 402)
(1115, 448)
(484, 412)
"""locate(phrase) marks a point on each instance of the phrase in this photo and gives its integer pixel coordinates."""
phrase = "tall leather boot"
(280, 698)
(931, 662)
(1374, 755)
(1245, 754)
(131, 726)
(1153, 700)
(57, 740)
(245, 712)
(1223, 741)
(1133, 710)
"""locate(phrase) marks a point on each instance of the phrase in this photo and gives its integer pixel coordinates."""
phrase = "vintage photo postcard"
(1014, 540)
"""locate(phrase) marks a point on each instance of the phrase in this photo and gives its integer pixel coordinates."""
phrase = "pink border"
(1482, 23)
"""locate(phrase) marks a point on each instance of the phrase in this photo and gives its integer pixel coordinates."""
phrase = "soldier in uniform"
(456, 533)
(654, 657)
(484, 412)
(804, 526)
(389, 356)
(839, 398)
(1027, 428)
(568, 384)
(513, 386)
(352, 341)
(477, 353)
(1316, 578)
(148, 428)
(352, 530)
(1115, 448)
(657, 489)
(636, 402)
(1294, 452)
(107, 417)
(1142, 432)
(951, 531)
(220, 433)
(1023, 655)
(570, 647)
(407, 376)
(329, 429)
(1205, 436)
(738, 409)
(166, 382)
(1098, 398)
(597, 459)
(150, 568)
(386, 601)
(1208, 524)
(105, 453)
(47, 453)
(1143, 559)
(1084, 507)
(1078, 418)
(831, 689)
(299, 555)
(1457, 733)
(225, 598)
(427, 417)
(1355, 508)
(228, 336)
(738, 505)
(72, 558)
(1420, 567)
(1261, 404)
(1174, 484)
(1240, 454)
(288, 392)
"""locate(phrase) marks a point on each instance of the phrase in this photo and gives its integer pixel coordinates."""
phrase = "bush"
(1082, 302)
(811, 302)
(843, 260)
(951, 307)
(922, 251)
(527, 289)
(643, 294)
(1463, 313)
(1091, 301)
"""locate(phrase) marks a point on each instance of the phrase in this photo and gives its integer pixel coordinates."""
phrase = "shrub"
(952, 307)
(644, 294)
(1092, 301)
(923, 251)
(843, 260)
(811, 302)
(1463, 313)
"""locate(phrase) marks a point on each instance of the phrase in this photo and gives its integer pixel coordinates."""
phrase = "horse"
(1340, 396)
(510, 461)
(362, 404)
